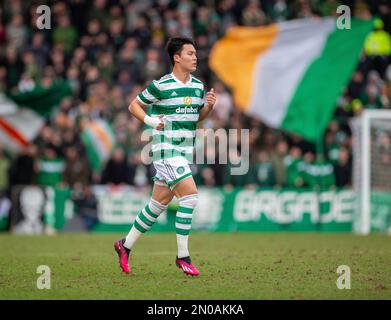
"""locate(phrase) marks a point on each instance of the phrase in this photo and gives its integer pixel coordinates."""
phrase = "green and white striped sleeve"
(151, 94)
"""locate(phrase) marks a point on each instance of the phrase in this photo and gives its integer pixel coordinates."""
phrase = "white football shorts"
(170, 171)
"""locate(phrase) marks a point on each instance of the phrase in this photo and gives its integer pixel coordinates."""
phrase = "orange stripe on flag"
(233, 58)
(13, 133)
(101, 134)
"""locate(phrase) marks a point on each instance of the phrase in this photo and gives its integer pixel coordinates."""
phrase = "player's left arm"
(209, 104)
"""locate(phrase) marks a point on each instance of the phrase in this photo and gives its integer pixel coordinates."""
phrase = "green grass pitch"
(232, 266)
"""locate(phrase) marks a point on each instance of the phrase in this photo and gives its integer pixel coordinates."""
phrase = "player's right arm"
(149, 96)
(136, 108)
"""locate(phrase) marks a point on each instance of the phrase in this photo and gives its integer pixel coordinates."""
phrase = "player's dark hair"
(175, 46)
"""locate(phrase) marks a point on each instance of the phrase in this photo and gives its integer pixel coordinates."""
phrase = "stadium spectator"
(4, 171)
(278, 10)
(86, 205)
(343, 169)
(253, 15)
(332, 148)
(14, 67)
(65, 35)
(378, 47)
(235, 180)
(23, 168)
(40, 49)
(16, 32)
(50, 167)
(76, 169)
(293, 174)
(277, 157)
(370, 98)
(263, 172)
(356, 85)
(116, 170)
(26, 83)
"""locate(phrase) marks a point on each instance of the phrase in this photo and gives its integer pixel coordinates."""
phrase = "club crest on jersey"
(198, 93)
(187, 100)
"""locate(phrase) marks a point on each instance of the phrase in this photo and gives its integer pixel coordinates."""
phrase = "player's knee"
(190, 200)
(165, 201)
(160, 205)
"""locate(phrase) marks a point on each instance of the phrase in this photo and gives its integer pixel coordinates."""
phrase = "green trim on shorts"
(154, 178)
(170, 183)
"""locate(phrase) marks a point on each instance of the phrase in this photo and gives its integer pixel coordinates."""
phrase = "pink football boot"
(123, 255)
(187, 267)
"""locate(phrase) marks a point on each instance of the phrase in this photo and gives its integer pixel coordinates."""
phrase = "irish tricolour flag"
(99, 140)
(23, 114)
(18, 126)
(290, 74)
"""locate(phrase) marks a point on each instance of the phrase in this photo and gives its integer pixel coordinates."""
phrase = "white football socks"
(183, 222)
(144, 221)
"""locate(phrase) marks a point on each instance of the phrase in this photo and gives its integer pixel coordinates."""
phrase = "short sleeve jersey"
(180, 103)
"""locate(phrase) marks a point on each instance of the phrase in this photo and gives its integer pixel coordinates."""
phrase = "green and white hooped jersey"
(180, 103)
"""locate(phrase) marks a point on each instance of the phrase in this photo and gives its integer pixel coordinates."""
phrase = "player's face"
(188, 58)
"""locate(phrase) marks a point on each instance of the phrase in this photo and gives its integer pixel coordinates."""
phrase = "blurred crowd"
(108, 51)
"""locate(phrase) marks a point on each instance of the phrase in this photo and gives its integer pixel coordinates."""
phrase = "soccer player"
(178, 102)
